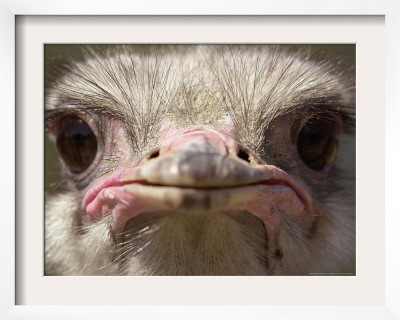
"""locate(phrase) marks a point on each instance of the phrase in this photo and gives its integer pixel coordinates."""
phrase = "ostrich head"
(202, 160)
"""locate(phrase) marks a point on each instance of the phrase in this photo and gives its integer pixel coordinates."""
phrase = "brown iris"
(76, 143)
(318, 141)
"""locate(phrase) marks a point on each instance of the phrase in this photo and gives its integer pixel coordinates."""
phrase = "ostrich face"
(202, 160)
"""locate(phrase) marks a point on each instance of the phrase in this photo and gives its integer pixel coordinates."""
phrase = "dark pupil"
(318, 141)
(76, 143)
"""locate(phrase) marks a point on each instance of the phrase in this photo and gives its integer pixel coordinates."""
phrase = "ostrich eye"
(318, 141)
(76, 143)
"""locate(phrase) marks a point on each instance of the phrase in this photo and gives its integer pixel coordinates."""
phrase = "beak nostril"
(154, 154)
(244, 155)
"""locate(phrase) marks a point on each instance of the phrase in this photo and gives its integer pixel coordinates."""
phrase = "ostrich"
(202, 160)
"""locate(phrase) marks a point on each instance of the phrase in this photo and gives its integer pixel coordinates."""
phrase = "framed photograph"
(362, 282)
(215, 138)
